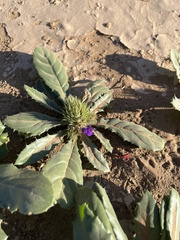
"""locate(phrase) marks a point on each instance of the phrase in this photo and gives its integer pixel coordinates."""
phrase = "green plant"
(72, 128)
(3, 141)
(3, 151)
(176, 103)
(96, 218)
(24, 190)
(3, 236)
(163, 224)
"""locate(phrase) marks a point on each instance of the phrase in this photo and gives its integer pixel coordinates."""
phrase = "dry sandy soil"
(143, 90)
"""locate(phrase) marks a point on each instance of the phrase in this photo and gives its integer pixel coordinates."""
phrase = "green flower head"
(76, 115)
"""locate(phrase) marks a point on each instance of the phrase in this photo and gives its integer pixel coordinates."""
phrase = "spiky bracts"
(76, 115)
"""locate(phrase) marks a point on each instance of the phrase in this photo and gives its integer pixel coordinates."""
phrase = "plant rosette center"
(77, 117)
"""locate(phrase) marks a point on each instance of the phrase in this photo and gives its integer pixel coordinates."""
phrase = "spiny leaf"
(64, 170)
(176, 103)
(119, 233)
(103, 100)
(42, 99)
(147, 222)
(3, 236)
(52, 71)
(175, 58)
(100, 83)
(93, 155)
(92, 219)
(37, 149)
(28, 191)
(170, 216)
(32, 123)
(104, 141)
(43, 88)
(133, 133)
(97, 95)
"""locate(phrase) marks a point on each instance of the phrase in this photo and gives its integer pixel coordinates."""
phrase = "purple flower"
(88, 131)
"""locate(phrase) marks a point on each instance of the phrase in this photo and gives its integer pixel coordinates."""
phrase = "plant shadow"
(137, 67)
(16, 68)
(149, 90)
(56, 223)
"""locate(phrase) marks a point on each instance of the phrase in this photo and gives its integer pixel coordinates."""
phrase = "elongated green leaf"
(104, 141)
(3, 236)
(52, 71)
(97, 95)
(32, 123)
(176, 103)
(175, 58)
(101, 102)
(147, 221)
(170, 216)
(119, 233)
(4, 139)
(133, 133)
(94, 155)
(95, 86)
(2, 127)
(43, 88)
(37, 149)
(28, 191)
(90, 228)
(92, 221)
(64, 170)
(42, 99)
(163, 211)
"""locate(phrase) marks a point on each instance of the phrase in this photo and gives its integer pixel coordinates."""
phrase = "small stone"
(103, 61)
(13, 13)
(47, 39)
(56, 24)
(72, 44)
(38, 22)
(150, 52)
